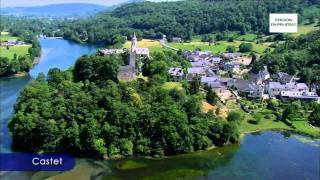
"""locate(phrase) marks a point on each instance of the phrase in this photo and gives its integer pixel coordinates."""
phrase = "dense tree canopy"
(175, 19)
(299, 56)
(88, 112)
(20, 63)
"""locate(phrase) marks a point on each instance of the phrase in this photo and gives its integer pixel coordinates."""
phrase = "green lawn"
(305, 127)
(219, 47)
(247, 37)
(172, 85)
(19, 50)
(304, 29)
(270, 124)
(5, 36)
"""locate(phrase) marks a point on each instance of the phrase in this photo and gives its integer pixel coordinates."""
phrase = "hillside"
(299, 56)
(55, 10)
(182, 19)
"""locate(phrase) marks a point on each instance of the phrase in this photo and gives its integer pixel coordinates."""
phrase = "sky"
(20, 3)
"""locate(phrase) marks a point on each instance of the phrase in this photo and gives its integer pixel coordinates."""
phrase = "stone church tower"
(133, 53)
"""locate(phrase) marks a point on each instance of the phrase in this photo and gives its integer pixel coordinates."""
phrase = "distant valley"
(55, 10)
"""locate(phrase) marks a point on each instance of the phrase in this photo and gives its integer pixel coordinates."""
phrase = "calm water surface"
(267, 155)
(55, 53)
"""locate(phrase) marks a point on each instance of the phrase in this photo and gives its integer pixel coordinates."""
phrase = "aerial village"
(226, 73)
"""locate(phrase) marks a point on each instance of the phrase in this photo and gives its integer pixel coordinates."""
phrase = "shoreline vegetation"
(16, 60)
(87, 110)
(242, 136)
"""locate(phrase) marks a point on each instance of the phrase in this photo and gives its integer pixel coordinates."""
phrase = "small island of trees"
(87, 111)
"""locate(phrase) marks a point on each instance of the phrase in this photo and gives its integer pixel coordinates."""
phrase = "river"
(265, 155)
(55, 53)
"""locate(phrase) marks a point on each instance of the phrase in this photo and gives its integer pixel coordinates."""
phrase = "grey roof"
(231, 55)
(246, 86)
(302, 86)
(287, 86)
(205, 79)
(216, 59)
(176, 71)
(196, 70)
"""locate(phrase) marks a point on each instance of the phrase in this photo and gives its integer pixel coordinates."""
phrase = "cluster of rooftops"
(12, 43)
(206, 66)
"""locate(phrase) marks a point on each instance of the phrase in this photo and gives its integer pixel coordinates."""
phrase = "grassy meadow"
(218, 47)
(5, 36)
(19, 50)
(153, 45)
(268, 121)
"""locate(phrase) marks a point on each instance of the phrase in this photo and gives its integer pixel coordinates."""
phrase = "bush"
(253, 121)
(268, 116)
(235, 116)
(245, 47)
(287, 122)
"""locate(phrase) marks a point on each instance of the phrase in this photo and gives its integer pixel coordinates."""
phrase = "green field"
(247, 37)
(172, 85)
(269, 123)
(304, 29)
(153, 45)
(19, 50)
(219, 47)
(5, 36)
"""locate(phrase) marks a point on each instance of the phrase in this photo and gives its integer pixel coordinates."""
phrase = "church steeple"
(134, 42)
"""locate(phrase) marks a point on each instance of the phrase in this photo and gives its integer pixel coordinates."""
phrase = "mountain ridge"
(56, 10)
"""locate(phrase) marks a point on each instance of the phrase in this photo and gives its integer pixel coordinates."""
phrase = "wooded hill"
(299, 56)
(175, 19)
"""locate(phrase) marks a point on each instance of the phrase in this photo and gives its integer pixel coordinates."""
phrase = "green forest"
(175, 19)
(23, 63)
(87, 111)
(299, 56)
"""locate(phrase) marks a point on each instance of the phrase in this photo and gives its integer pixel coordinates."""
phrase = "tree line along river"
(265, 155)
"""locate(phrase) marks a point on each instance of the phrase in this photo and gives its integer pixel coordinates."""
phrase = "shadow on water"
(269, 155)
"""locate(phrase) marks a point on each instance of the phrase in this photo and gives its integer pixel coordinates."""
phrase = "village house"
(231, 56)
(12, 43)
(247, 88)
(195, 72)
(176, 74)
(231, 67)
(286, 78)
(243, 60)
(275, 88)
(299, 95)
(262, 76)
(105, 52)
(177, 39)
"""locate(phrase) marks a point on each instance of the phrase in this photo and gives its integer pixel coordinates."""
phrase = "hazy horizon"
(29, 3)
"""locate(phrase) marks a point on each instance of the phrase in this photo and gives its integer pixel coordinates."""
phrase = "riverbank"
(303, 128)
(24, 73)
(227, 162)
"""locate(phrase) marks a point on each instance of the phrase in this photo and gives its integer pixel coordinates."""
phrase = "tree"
(96, 68)
(55, 76)
(245, 47)
(231, 49)
(314, 117)
(235, 116)
(211, 96)
(195, 85)
(4, 66)
(291, 112)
